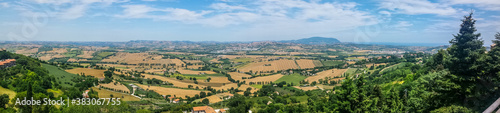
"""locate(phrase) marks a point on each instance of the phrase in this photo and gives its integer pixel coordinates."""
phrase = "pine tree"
(466, 50)
(467, 58)
(494, 54)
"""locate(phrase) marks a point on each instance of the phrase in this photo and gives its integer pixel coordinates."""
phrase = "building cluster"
(207, 109)
(7, 63)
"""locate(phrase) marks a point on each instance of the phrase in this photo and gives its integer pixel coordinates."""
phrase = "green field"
(55, 92)
(61, 76)
(256, 86)
(351, 71)
(9, 92)
(242, 60)
(293, 78)
(198, 77)
(102, 55)
(393, 67)
(332, 63)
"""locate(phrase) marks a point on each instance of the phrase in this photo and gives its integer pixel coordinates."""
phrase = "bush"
(452, 109)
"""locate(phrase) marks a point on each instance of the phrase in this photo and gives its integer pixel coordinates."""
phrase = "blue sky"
(406, 21)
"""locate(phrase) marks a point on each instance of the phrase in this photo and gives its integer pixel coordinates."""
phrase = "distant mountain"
(313, 41)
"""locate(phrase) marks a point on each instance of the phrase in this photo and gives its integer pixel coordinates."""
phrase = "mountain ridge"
(313, 41)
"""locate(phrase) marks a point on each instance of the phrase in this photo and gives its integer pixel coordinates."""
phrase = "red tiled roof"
(7, 61)
(207, 109)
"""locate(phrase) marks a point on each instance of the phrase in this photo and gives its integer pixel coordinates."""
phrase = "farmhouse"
(7, 63)
(171, 99)
(229, 96)
(203, 109)
(176, 101)
(86, 94)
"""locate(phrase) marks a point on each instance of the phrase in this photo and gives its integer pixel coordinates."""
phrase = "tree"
(467, 58)
(4, 99)
(247, 93)
(238, 104)
(205, 101)
(203, 94)
(494, 61)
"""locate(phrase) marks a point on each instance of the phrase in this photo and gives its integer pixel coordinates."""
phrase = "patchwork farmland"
(270, 66)
(326, 74)
(88, 72)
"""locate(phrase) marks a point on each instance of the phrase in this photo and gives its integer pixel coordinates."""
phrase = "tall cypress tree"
(467, 56)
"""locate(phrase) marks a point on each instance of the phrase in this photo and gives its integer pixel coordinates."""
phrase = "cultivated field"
(305, 63)
(184, 71)
(61, 75)
(292, 78)
(176, 83)
(179, 53)
(327, 73)
(317, 63)
(56, 51)
(351, 62)
(306, 88)
(217, 80)
(193, 61)
(371, 64)
(170, 91)
(141, 58)
(76, 60)
(214, 98)
(86, 54)
(227, 86)
(46, 57)
(238, 76)
(194, 66)
(92, 72)
(103, 93)
(270, 78)
(215, 61)
(244, 88)
(27, 51)
(269, 66)
(117, 87)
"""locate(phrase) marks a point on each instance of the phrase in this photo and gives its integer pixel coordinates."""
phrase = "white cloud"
(415, 7)
(443, 26)
(260, 13)
(387, 13)
(74, 12)
(55, 2)
(5, 4)
(173, 14)
(402, 25)
(482, 4)
(62, 9)
(225, 7)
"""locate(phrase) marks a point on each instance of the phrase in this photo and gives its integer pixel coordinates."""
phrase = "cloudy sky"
(402, 21)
